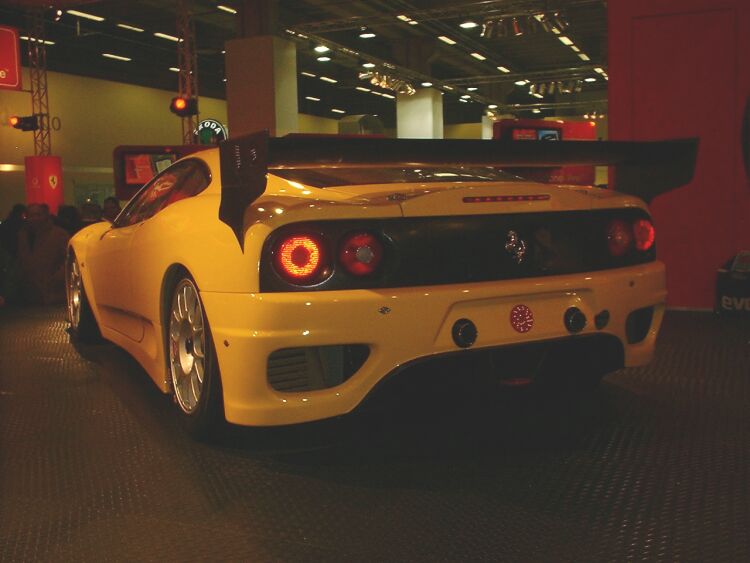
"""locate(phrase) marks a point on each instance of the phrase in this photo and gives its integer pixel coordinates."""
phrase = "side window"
(188, 177)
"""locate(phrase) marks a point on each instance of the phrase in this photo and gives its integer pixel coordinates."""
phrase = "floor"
(654, 466)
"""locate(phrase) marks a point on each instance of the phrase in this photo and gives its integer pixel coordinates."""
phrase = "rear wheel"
(83, 325)
(192, 362)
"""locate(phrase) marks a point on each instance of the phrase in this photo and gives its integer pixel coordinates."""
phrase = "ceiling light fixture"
(426, 84)
(310, 74)
(45, 41)
(362, 89)
(468, 24)
(116, 57)
(492, 106)
(368, 65)
(174, 69)
(367, 35)
(130, 27)
(447, 40)
(324, 59)
(84, 15)
(565, 40)
(334, 110)
(504, 69)
(329, 80)
(312, 99)
(584, 57)
(321, 49)
(472, 88)
(227, 9)
(167, 37)
(589, 79)
(479, 56)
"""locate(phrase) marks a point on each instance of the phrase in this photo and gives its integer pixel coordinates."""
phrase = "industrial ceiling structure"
(522, 57)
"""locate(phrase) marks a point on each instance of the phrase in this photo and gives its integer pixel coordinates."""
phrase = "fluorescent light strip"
(426, 84)
(367, 35)
(324, 59)
(321, 49)
(575, 48)
(376, 93)
(334, 110)
(404, 18)
(492, 106)
(565, 40)
(368, 65)
(590, 79)
(310, 74)
(466, 96)
(130, 27)
(468, 25)
(600, 70)
(330, 80)
(227, 9)
(174, 69)
(362, 89)
(447, 40)
(472, 88)
(84, 15)
(388, 96)
(584, 57)
(116, 57)
(312, 99)
(168, 37)
(504, 69)
(537, 95)
(463, 100)
(521, 82)
(479, 56)
(35, 40)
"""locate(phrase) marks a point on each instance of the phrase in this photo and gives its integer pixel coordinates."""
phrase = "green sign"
(210, 132)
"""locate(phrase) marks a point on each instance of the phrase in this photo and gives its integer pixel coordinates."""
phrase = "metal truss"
(38, 77)
(482, 9)
(187, 62)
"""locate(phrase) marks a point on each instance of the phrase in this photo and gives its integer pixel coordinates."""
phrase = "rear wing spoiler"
(644, 169)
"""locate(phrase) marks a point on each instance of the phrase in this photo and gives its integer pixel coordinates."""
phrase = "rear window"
(331, 177)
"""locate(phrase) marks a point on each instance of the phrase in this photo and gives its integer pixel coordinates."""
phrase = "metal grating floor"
(654, 466)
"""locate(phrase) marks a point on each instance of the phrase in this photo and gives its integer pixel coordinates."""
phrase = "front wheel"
(83, 325)
(192, 362)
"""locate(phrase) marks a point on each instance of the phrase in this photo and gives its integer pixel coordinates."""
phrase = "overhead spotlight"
(368, 65)
(321, 49)
(57, 16)
(324, 59)
(366, 33)
(516, 27)
(468, 24)
(559, 21)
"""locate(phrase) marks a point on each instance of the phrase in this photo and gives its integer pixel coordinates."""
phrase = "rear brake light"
(299, 258)
(619, 237)
(361, 254)
(643, 230)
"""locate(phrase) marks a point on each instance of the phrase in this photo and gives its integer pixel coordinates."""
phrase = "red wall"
(679, 68)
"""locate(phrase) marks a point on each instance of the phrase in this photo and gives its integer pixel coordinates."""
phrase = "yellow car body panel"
(124, 271)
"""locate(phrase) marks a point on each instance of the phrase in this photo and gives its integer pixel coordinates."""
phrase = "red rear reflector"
(361, 254)
(619, 237)
(506, 198)
(298, 257)
(643, 230)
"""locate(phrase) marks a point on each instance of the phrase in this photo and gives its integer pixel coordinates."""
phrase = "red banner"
(44, 183)
(10, 59)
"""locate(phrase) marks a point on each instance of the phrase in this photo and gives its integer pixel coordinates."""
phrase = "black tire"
(201, 416)
(83, 326)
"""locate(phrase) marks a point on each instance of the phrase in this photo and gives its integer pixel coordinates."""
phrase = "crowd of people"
(33, 246)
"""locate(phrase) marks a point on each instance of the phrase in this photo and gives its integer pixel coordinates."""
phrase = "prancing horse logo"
(515, 246)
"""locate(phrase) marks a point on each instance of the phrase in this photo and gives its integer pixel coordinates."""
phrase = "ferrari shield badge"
(515, 246)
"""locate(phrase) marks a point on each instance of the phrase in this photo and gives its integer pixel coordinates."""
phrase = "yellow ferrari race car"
(274, 281)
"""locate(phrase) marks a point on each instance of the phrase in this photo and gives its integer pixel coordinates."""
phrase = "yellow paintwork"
(123, 271)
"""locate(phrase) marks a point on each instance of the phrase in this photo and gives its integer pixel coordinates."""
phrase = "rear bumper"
(402, 325)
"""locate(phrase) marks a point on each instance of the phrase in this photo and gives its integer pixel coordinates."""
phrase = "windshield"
(331, 177)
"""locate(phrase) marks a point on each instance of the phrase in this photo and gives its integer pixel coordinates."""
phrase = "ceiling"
(482, 69)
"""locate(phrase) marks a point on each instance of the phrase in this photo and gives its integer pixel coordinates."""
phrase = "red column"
(44, 182)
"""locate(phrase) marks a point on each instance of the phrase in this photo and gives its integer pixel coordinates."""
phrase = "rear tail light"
(619, 237)
(361, 254)
(299, 258)
(643, 231)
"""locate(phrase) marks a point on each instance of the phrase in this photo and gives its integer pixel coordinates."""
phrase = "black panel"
(465, 249)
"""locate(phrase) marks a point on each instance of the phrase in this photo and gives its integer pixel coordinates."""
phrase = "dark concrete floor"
(654, 466)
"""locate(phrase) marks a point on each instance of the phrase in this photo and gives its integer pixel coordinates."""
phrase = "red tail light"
(643, 230)
(619, 237)
(299, 258)
(361, 254)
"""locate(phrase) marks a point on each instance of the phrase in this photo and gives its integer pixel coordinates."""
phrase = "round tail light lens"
(619, 237)
(643, 230)
(299, 258)
(361, 254)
